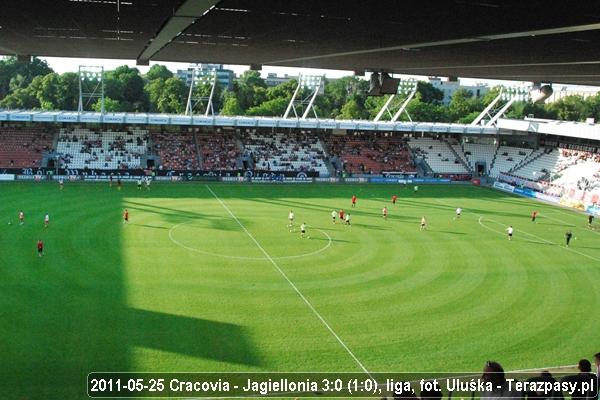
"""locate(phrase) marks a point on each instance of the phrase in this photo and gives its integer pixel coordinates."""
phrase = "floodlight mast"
(408, 87)
(291, 106)
(310, 82)
(193, 101)
(89, 74)
(510, 95)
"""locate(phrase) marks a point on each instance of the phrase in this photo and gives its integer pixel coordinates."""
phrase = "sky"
(62, 65)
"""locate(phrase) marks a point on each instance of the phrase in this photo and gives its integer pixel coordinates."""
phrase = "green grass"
(183, 287)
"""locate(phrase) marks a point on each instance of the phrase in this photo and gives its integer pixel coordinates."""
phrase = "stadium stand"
(441, 157)
(220, 151)
(285, 152)
(538, 166)
(23, 147)
(507, 158)
(84, 148)
(177, 150)
(479, 153)
(363, 154)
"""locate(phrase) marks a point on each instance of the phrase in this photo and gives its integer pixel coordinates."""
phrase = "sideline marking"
(315, 312)
(195, 250)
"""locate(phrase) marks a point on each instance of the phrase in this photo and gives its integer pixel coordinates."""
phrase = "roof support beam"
(449, 42)
(189, 12)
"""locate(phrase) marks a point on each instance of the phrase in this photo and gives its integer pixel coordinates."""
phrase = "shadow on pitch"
(447, 232)
(193, 337)
(150, 226)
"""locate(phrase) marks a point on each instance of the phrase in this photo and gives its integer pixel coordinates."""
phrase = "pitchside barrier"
(564, 201)
(243, 178)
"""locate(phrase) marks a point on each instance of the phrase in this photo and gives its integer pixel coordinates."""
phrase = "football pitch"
(210, 278)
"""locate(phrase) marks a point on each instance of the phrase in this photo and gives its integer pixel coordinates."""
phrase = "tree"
(231, 106)
(158, 71)
(173, 96)
(110, 105)
(167, 96)
(570, 108)
(11, 68)
(422, 111)
(20, 99)
(127, 86)
(429, 93)
(462, 104)
(250, 90)
(351, 110)
(69, 82)
(593, 103)
(338, 92)
(269, 108)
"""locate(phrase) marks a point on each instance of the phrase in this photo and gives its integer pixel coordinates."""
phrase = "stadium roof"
(237, 122)
(533, 40)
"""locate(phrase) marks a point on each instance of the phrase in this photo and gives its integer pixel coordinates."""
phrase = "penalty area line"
(284, 275)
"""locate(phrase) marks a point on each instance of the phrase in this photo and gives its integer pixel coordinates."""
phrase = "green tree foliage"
(158, 71)
(56, 92)
(353, 109)
(126, 85)
(338, 92)
(231, 105)
(270, 108)
(423, 111)
(462, 104)
(110, 105)
(250, 90)
(20, 99)
(167, 96)
(571, 108)
(11, 68)
(429, 93)
(35, 86)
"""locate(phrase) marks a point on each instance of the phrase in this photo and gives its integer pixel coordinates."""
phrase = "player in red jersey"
(533, 216)
(40, 248)
(21, 217)
(353, 201)
(126, 216)
(394, 198)
(342, 216)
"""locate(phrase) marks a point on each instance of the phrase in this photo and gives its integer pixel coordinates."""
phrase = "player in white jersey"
(333, 215)
(458, 212)
(147, 183)
(291, 220)
(347, 219)
(423, 223)
(303, 230)
(139, 184)
(509, 232)
(46, 220)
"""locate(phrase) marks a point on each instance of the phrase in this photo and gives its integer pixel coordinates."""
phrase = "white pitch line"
(200, 251)
(544, 369)
(545, 215)
(315, 312)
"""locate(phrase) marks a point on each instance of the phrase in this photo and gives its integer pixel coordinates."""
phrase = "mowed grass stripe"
(126, 297)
